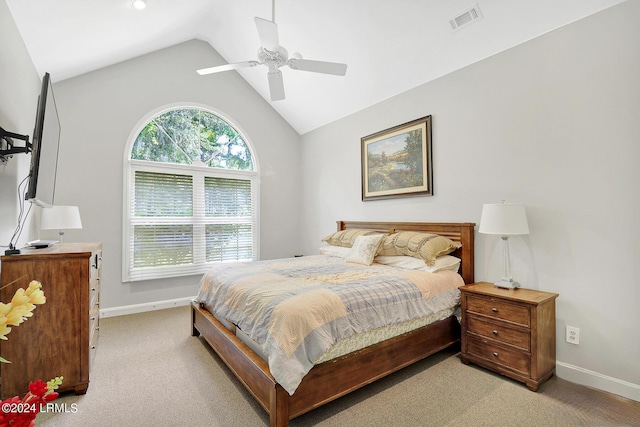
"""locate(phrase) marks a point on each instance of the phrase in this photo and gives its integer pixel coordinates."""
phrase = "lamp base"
(507, 284)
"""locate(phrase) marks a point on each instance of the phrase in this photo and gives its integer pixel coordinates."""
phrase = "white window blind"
(182, 223)
(182, 218)
(228, 239)
(162, 219)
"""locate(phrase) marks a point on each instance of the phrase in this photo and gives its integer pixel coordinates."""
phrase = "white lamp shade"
(60, 218)
(505, 219)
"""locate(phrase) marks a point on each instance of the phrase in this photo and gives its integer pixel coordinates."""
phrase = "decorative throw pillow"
(346, 238)
(364, 249)
(426, 246)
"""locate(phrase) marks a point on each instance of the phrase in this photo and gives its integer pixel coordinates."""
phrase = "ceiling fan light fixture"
(139, 4)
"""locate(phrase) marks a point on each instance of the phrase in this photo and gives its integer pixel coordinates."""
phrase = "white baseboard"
(592, 379)
(141, 308)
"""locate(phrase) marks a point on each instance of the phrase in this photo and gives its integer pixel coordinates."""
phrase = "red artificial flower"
(23, 420)
(38, 388)
(51, 396)
(22, 413)
(7, 416)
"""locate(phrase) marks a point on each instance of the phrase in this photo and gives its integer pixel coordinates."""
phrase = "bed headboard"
(462, 232)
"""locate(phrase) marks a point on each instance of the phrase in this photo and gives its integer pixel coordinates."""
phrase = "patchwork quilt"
(297, 308)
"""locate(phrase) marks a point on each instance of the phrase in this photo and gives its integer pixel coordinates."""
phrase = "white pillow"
(445, 262)
(337, 251)
(364, 249)
(401, 261)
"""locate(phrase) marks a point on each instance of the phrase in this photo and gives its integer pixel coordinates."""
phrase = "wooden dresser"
(510, 331)
(61, 336)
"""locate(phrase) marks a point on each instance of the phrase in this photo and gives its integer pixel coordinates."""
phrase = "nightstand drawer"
(499, 309)
(513, 359)
(495, 331)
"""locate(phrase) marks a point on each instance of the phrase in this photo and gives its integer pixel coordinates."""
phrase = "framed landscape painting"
(397, 162)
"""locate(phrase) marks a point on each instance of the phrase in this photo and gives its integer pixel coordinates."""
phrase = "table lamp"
(504, 219)
(60, 218)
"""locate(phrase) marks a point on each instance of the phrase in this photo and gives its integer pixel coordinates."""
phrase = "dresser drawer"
(499, 309)
(93, 343)
(96, 273)
(513, 359)
(94, 321)
(495, 331)
(94, 295)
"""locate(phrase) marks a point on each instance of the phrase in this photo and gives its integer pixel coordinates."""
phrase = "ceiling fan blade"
(227, 67)
(268, 33)
(318, 66)
(276, 85)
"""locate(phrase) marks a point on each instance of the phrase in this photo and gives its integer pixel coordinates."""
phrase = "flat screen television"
(45, 145)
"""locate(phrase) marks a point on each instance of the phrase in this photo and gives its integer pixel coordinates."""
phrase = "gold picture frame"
(396, 162)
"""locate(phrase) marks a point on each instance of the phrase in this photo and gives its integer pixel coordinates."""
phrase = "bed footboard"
(327, 381)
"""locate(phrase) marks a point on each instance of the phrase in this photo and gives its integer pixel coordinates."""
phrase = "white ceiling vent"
(465, 18)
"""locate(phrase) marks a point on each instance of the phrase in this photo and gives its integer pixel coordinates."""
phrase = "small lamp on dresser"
(60, 218)
(504, 219)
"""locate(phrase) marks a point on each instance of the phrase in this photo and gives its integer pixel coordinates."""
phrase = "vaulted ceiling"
(390, 46)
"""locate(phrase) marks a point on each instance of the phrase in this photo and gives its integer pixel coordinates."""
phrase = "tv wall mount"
(8, 148)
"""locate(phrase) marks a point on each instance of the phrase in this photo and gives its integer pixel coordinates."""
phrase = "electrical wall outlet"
(573, 335)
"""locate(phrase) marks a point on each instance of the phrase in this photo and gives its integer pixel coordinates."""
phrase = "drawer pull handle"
(495, 354)
(495, 310)
(494, 332)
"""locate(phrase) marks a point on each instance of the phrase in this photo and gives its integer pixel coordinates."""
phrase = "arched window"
(190, 196)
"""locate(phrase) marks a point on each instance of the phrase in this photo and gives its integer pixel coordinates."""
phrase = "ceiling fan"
(275, 56)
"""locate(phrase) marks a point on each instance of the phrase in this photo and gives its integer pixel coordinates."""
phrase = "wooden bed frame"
(334, 378)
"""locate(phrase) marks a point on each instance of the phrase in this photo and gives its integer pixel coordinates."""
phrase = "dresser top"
(531, 296)
(67, 249)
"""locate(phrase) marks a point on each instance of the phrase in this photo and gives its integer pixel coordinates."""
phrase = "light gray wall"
(19, 90)
(100, 110)
(551, 124)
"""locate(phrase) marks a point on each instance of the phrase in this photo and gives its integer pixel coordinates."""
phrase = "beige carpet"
(149, 371)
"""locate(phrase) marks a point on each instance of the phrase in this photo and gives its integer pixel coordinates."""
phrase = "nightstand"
(510, 331)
